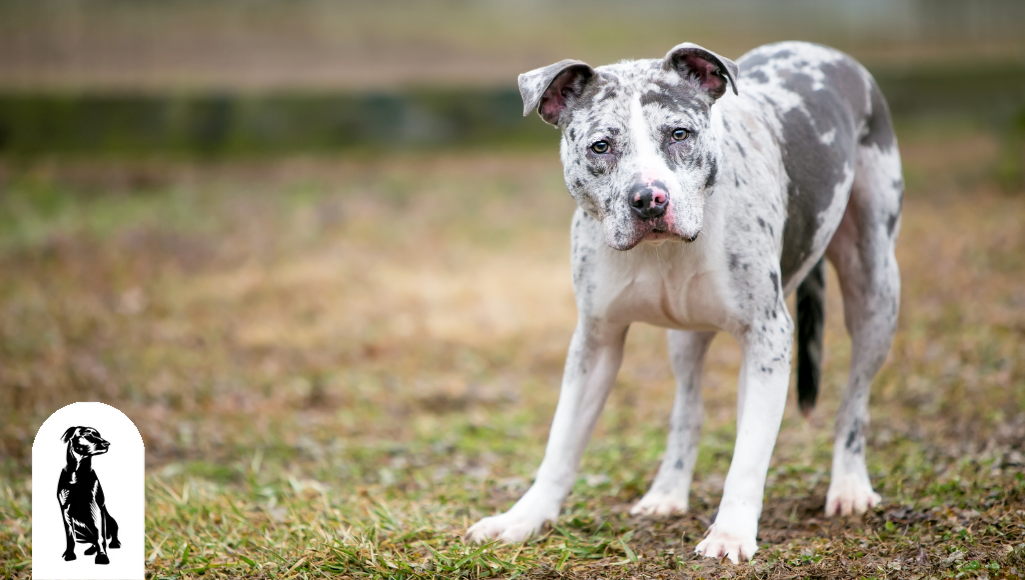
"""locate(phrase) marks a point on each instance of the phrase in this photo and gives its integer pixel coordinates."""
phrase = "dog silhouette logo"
(83, 506)
(88, 496)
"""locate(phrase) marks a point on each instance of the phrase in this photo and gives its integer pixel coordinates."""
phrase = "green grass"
(337, 365)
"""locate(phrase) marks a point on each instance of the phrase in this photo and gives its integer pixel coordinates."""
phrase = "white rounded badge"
(88, 496)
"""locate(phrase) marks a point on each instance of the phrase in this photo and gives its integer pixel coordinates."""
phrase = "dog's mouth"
(658, 234)
(654, 231)
(659, 231)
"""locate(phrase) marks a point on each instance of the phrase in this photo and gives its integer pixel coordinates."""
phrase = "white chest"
(672, 285)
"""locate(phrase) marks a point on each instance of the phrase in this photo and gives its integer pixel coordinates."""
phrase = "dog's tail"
(811, 295)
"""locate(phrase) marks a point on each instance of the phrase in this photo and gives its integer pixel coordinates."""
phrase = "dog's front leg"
(595, 354)
(762, 395)
(69, 535)
(63, 493)
(670, 491)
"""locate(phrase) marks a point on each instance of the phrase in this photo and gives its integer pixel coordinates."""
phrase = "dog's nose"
(648, 202)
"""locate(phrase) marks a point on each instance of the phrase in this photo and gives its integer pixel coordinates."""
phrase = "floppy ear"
(69, 434)
(710, 70)
(551, 89)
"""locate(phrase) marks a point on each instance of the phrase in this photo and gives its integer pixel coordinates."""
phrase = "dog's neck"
(78, 463)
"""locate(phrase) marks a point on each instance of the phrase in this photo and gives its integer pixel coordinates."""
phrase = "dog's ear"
(69, 433)
(551, 89)
(710, 70)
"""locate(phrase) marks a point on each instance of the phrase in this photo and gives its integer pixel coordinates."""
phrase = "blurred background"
(244, 76)
(316, 253)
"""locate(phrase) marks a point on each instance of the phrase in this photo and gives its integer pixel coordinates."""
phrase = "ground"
(338, 364)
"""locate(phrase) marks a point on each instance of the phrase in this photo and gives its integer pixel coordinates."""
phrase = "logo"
(88, 496)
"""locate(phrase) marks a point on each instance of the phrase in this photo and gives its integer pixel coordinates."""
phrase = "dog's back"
(827, 106)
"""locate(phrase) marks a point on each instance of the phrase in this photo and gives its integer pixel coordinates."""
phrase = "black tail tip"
(806, 408)
(808, 380)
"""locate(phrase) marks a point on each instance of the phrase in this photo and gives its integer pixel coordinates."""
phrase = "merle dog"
(86, 519)
(708, 191)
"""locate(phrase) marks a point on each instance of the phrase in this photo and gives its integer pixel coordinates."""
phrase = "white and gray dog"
(707, 192)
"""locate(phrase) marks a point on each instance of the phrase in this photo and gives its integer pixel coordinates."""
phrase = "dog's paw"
(850, 495)
(737, 547)
(114, 544)
(509, 527)
(90, 551)
(102, 559)
(659, 504)
(69, 556)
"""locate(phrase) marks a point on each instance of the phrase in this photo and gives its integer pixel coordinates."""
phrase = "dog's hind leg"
(111, 530)
(670, 491)
(862, 250)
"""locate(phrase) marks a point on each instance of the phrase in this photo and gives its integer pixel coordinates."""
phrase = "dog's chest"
(81, 486)
(671, 286)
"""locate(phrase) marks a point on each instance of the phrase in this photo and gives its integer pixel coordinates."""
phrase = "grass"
(337, 365)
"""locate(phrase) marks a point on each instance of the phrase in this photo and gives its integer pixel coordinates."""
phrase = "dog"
(80, 495)
(708, 191)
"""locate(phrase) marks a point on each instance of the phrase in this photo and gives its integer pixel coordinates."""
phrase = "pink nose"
(648, 201)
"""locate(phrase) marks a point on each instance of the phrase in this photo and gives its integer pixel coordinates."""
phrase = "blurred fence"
(231, 124)
(238, 77)
(244, 124)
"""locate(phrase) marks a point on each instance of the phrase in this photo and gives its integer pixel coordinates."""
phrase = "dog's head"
(85, 441)
(637, 147)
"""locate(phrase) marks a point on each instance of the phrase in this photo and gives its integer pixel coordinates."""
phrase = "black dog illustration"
(81, 497)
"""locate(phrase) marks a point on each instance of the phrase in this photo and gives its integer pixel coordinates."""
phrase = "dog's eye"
(680, 134)
(600, 147)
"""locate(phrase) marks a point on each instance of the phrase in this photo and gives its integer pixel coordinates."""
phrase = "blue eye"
(680, 134)
(600, 147)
